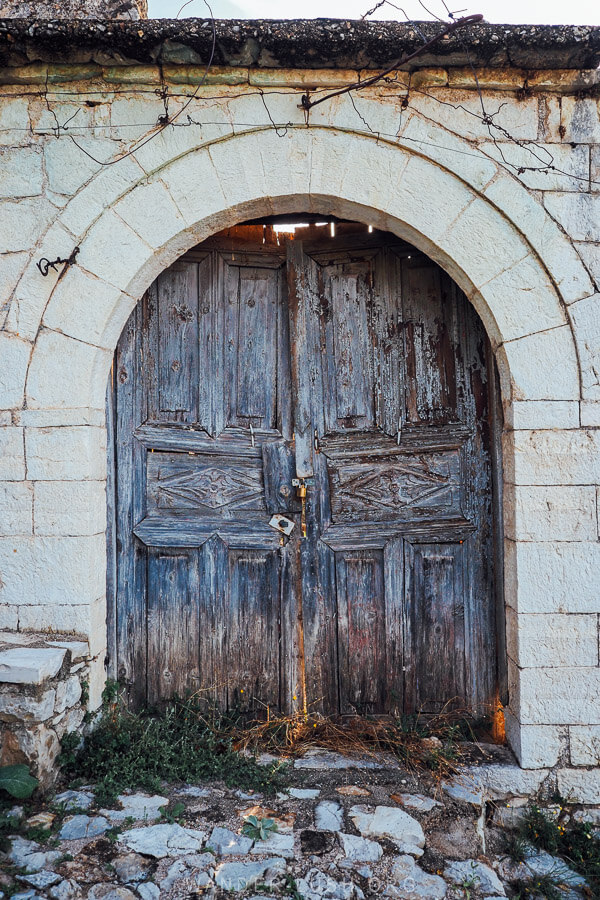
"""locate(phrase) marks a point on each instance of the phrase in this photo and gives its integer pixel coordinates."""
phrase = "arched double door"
(352, 364)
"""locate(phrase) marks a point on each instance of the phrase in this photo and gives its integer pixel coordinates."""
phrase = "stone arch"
(257, 173)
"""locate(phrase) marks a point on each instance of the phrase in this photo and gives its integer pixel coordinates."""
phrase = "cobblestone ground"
(346, 828)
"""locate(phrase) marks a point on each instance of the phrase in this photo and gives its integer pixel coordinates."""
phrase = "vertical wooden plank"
(434, 627)
(130, 509)
(208, 343)
(299, 282)
(213, 623)
(362, 631)
(348, 287)
(253, 630)
(388, 342)
(431, 345)
(173, 626)
(111, 528)
(178, 342)
(257, 346)
(393, 676)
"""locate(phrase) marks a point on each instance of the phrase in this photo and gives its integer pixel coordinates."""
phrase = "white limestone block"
(68, 168)
(70, 507)
(545, 380)
(76, 453)
(14, 122)
(551, 513)
(474, 233)
(78, 649)
(88, 309)
(9, 616)
(542, 414)
(113, 251)
(22, 172)
(578, 214)
(549, 640)
(553, 247)
(574, 161)
(584, 743)
(590, 413)
(51, 383)
(449, 150)
(48, 418)
(12, 454)
(52, 571)
(585, 315)
(523, 299)
(581, 786)
(558, 696)
(16, 508)
(581, 120)
(535, 746)
(554, 577)
(14, 354)
(23, 221)
(101, 192)
(150, 211)
(11, 267)
(570, 457)
(206, 197)
(590, 255)
(30, 665)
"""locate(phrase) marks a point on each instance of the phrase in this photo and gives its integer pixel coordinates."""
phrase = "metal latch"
(282, 524)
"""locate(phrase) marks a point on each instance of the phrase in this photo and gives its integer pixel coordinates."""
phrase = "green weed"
(141, 750)
(258, 829)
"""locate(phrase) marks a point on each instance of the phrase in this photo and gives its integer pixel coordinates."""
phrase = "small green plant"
(573, 842)
(85, 693)
(543, 887)
(259, 829)
(17, 781)
(172, 814)
(142, 749)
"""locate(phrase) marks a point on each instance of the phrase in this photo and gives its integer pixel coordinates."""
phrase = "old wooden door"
(354, 365)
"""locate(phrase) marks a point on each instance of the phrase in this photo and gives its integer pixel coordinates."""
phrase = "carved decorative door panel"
(355, 368)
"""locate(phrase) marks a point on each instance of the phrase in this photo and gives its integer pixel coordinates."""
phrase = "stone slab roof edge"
(298, 43)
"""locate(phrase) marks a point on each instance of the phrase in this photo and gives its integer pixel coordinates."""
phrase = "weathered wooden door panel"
(358, 366)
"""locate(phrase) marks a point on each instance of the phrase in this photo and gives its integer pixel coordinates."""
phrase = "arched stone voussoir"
(66, 373)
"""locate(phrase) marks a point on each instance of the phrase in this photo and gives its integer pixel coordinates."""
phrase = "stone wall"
(521, 238)
(44, 693)
(74, 9)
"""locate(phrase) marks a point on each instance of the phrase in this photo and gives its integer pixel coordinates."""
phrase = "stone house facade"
(119, 139)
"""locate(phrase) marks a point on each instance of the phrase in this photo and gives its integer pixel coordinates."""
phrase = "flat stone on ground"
(110, 892)
(228, 843)
(81, 826)
(304, 793)
(238, 876)
(41, 879)
(75, 799)
(327, 759)
(329, 816)
(464, 789)
(418, 802)
(360, 849)
(412, 883)
(483, 878)
(394, 824)
(130, 868)
(148, 891)
(28, 855)
(163, 840)
(276, 844)
(136, 806)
